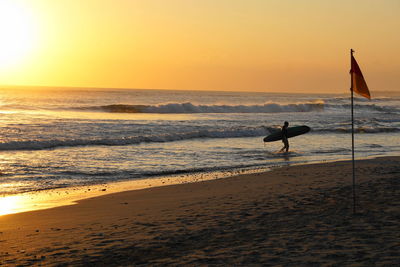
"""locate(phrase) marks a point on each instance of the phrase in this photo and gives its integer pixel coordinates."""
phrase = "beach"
(290, 216)
(199, 133)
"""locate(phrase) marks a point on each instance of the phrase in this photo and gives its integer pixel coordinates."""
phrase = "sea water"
(67, 137)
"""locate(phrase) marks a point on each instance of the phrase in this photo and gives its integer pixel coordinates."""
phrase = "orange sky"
(253, 45)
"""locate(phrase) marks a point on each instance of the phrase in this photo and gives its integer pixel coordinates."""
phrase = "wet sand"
(291, 216)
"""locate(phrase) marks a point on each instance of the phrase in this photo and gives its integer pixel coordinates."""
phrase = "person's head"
(286, 123)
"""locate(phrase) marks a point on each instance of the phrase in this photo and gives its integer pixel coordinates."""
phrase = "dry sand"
(291, 216)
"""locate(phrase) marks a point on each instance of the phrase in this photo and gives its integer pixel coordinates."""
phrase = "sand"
(290, 216)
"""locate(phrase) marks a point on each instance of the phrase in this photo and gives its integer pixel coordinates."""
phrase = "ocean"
(67, 137)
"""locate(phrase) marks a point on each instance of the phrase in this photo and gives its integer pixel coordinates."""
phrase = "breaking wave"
(194, 108)
(55, 143)
(363, 129)
(175, 136)
(371, 107)
(189, 108)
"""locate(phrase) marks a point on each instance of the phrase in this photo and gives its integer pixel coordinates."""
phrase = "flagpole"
(352, 137)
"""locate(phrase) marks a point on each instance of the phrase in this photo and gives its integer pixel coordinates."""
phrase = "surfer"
(285, 137)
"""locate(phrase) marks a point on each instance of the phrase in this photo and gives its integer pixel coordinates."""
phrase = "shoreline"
(66, 196)
(297, 215)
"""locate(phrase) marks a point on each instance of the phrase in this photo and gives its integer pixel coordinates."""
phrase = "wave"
(363, 129)
(371, 107)
(157, 138)
(194, 108)
(317, 105)
(189, 108)
(203, 133)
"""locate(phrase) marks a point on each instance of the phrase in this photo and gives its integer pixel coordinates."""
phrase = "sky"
(229, 45)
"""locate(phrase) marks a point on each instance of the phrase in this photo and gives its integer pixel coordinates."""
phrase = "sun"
(17, 33)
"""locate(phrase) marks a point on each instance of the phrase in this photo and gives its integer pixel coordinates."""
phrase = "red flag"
(358, 83)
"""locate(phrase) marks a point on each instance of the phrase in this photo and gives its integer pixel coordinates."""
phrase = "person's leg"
(286, 142)
(284, 146)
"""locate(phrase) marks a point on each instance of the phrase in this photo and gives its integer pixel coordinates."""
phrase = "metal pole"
(352, 139)
(352, 154)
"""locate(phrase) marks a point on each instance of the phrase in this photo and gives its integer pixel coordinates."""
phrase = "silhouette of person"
(285, 137)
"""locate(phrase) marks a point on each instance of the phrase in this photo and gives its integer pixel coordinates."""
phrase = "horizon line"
(55, 87)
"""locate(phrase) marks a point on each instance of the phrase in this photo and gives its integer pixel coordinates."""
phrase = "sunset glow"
(300, 46)
(17, 34)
